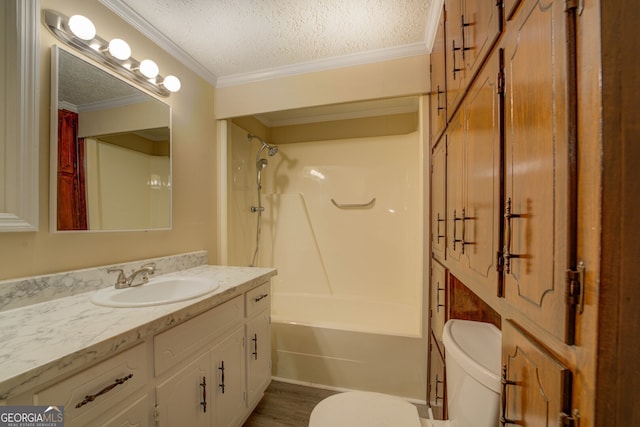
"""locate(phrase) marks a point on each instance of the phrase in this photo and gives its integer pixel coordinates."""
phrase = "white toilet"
(472, 352)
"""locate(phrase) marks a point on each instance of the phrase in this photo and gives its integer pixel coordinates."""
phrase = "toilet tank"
(472, 359)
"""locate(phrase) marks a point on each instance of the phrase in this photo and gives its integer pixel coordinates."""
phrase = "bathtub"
(349, 343)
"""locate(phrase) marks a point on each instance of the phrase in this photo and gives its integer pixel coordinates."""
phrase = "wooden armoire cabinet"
(514, 210)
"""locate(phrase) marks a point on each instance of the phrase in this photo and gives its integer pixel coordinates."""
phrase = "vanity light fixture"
(80, 33)
(119, 49)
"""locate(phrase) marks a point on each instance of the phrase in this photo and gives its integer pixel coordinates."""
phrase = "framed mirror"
(110, 151)
(19, 138)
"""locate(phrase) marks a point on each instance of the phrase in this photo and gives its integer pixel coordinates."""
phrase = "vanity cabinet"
(210, 370)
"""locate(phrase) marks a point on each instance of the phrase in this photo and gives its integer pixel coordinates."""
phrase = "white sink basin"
(155, 292)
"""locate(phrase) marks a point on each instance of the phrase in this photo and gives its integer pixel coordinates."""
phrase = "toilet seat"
(364, 409)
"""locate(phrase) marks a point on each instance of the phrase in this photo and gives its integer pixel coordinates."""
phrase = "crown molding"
(141, 24)
(324, 64)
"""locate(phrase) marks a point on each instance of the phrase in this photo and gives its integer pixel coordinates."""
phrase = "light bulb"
(149, 69)
(119, 49)
(172, 83)
(82, 27)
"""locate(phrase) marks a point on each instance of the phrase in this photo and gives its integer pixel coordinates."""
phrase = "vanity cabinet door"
(480, 23)
(537, 387)
(536, 164)
(456, 75)
(228, 377)
(258, 356)
(184, 397)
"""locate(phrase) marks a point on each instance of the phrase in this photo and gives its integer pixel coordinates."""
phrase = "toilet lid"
(364, 409)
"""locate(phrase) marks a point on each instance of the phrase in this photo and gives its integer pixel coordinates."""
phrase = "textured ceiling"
(227, 39)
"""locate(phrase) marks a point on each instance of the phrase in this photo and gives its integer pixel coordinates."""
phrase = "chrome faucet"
(124, 282)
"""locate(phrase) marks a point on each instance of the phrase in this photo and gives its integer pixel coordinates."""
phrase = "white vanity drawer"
(258, 299)
(180, 342)
(94, 390)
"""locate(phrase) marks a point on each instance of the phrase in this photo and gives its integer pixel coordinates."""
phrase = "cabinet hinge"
(500, 86)
(575, 287)
(567, 420)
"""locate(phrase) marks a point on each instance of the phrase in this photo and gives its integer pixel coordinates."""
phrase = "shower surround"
(342, 223)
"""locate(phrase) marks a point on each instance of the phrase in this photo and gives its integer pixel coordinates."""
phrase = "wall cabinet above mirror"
(110, 151)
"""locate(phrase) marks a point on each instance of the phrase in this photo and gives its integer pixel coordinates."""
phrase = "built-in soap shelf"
(21, 292)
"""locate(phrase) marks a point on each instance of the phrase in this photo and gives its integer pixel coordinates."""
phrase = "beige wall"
(387, 79)
(194, 157)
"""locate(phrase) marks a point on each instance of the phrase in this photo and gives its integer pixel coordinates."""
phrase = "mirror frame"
(53, 157)
(20, 140)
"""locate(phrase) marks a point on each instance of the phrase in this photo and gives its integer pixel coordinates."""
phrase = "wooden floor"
(287, 404)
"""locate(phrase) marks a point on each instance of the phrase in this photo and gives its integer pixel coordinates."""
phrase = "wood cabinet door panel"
(438, 200)
(455, 185)
(438, 299)
(437, 390)
(438, 97)
(455, 71)
(258, 355)
(482, 173)
(540, 386)
(536, 163)
(481, 23)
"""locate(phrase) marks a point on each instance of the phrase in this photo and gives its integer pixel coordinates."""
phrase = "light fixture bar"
(98, 50)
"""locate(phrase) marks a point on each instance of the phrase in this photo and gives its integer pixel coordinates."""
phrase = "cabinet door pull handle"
(506, 249)
(462, 241)
(505, 382)
(203, 384)
(438, 290)
(462, 27)
(92, 397)
(439, 92)
(439, 220)
(255, 346)
(453, 51)
(221, 369)
(437, 395)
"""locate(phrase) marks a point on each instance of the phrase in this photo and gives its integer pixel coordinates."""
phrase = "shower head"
(272, 149)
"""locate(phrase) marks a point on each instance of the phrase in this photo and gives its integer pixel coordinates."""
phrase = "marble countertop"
(43, 341)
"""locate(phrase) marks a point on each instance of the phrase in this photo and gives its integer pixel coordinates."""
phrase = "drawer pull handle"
(439, 220)
(221, 369)
(260, 297)
(203, 384)
(92, 397)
